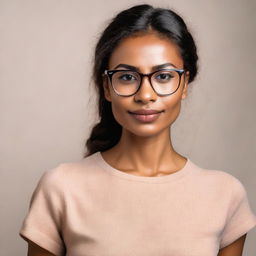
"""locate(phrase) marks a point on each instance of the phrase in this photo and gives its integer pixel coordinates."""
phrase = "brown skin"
(146, 149)
(35, 250)
(234, 249)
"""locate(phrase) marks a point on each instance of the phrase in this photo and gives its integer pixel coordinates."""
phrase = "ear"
(106, 89)
(185, 87)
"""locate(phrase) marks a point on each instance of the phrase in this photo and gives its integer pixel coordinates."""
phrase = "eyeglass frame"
(110, 73)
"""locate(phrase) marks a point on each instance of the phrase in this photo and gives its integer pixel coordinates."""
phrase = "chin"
(148, 131)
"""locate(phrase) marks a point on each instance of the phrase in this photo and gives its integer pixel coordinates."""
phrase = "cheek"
(172, 109)
(119, 112)
(171, 104)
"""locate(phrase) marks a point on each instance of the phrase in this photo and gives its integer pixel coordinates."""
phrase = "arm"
(42, 225)
(35, 250)
(234, 249)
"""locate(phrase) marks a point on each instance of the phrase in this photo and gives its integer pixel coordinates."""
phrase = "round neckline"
(156, 179)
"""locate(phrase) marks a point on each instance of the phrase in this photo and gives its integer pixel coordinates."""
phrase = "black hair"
(136, 20)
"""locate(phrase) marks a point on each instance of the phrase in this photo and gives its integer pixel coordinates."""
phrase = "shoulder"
(231, 181)
(215, 174)
(219, 180)
(66, 173)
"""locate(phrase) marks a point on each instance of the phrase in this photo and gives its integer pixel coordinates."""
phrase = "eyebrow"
(133, 68)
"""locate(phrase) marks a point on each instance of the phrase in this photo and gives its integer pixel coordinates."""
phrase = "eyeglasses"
(127, 83)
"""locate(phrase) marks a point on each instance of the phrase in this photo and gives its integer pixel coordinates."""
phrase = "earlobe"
(106, 90)
(185, 87)
(184, 92)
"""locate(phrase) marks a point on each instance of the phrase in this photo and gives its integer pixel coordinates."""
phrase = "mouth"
(145, 111)
(146, 118)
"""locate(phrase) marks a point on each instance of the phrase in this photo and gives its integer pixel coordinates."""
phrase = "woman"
(133, 194)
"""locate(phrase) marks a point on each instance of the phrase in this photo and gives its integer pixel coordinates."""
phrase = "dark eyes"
(165, 76)
(127, 77)
(162, 76)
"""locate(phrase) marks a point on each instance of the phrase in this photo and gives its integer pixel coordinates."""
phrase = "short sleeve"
(42, 224)
(240, 218)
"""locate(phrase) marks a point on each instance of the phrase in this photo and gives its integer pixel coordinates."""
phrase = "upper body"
(148, 199)
(91, 208)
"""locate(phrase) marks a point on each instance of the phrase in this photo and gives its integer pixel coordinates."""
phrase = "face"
(145, 52)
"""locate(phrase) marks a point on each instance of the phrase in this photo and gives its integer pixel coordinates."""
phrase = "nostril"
(145, 95)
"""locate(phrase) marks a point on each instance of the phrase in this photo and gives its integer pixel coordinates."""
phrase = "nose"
(146, 92)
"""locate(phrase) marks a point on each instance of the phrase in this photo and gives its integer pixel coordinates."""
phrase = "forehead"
(145, 51)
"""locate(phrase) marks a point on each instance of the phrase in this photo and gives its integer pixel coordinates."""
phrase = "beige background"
(47, 106)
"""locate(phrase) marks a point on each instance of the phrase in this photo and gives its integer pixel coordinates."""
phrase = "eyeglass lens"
(163, 81)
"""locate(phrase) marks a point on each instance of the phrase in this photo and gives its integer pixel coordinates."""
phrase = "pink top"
(89, 208)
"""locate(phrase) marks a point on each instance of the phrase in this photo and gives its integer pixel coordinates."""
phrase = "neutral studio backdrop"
(48, 106)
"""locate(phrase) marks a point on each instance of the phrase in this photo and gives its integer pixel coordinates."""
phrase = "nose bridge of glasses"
(148, 91)
(148, 78)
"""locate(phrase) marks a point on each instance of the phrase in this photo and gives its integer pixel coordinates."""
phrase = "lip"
(146, 116)
(145, 112)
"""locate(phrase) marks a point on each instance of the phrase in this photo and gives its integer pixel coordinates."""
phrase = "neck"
(145, 156)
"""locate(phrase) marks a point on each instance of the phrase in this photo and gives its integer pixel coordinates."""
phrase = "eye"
(165, 76)
(126, 77)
